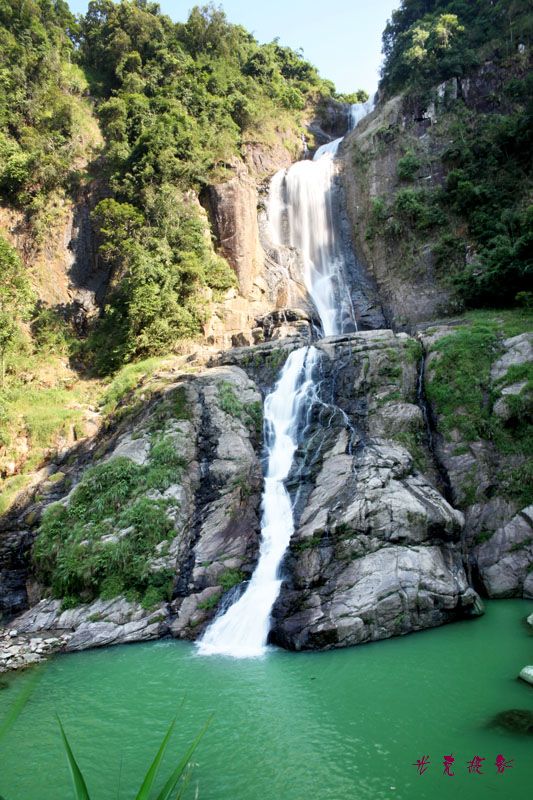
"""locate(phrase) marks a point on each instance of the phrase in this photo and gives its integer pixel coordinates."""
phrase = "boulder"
(527, 674)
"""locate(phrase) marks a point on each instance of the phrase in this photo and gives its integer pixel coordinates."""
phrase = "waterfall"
(243, 630)
(358, 111)
(300, 215)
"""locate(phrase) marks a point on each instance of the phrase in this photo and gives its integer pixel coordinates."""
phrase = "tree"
(16, 299)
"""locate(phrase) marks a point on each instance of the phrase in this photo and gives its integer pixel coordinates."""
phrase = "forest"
(176, 102)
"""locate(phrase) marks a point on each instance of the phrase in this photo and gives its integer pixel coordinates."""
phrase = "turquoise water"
(341, 725)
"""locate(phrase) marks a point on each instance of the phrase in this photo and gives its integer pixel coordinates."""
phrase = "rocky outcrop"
(486, 475)
(504, 560)
(413, 279)
(232, 209)
(376, 551)
(65, 271)
(46, 629)
(374, 554)
(212, 421)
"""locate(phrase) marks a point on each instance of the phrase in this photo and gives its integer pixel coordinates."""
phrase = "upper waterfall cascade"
(300, 214)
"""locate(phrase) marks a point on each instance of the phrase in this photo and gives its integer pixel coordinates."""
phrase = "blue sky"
(342, 38)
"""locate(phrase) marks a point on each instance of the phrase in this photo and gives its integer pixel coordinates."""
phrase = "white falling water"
(242, 631)
(358, 111)
(301, 195)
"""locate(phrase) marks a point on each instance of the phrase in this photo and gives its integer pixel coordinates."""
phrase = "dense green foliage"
(101, 543)
(478, 217)
(42, 115)
(488, 187)
(428, 41)
(16, 298)
(176, 103)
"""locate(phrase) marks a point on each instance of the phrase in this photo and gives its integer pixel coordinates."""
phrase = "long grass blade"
(185, 781)
(144, 791)
(18, 706)
(172, 782)
(80, 787)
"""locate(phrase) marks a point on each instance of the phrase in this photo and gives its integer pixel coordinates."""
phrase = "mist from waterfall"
(301, 215)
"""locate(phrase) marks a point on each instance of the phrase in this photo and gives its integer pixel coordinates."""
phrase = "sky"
(342, 39)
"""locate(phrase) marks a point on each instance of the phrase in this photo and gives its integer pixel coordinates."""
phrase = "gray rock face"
(504, 560)
(413, 285)
(233, 211)
(376, 551)
(498, 530)
(213, 505)
(14, 549)
(103, 622)
(518, 350)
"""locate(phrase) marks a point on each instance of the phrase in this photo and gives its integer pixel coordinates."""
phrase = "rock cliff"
(396, 165)
(377, 551)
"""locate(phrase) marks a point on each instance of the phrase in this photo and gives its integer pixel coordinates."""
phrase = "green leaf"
(182, 768)
(144, 791)
(78, 780)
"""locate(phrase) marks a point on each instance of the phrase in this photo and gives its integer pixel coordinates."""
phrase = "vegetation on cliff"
(428, 41)
(467, 399)
(102, 542)
(467, 190)
(41, 105)
(176, 105)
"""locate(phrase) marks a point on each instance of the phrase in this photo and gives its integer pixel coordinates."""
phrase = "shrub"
(407, 167)
(102, 542)
(230, 578)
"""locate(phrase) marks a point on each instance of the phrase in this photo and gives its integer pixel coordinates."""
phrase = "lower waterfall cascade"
(300, 215)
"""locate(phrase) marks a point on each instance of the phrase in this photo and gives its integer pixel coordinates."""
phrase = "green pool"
(342, 725)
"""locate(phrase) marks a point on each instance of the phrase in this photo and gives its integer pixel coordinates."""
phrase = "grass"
(210, 603)
(42, 405)
(310, 542)
(249, 413)
(459, 378)
(125, 381)
(484, 536)
(230, 578)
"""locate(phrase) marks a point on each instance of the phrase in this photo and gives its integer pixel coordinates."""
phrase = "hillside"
(112, 128)
(358, 323)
